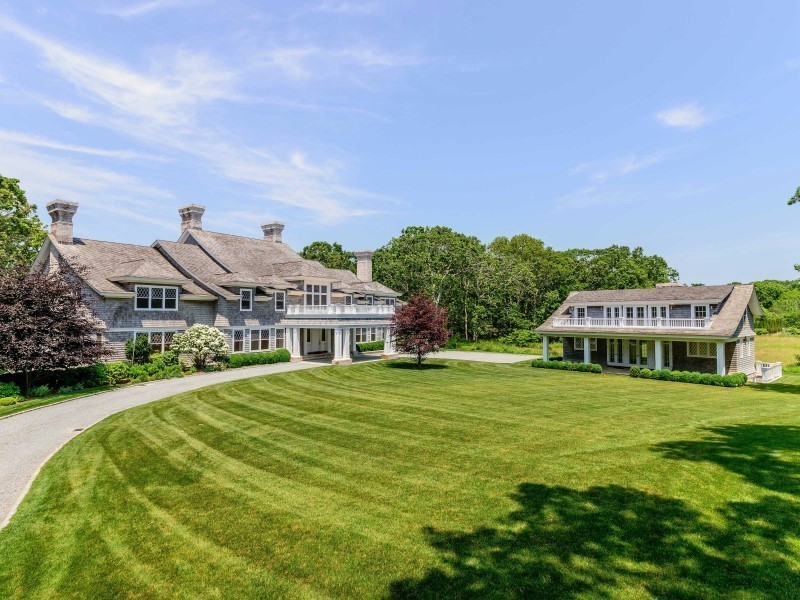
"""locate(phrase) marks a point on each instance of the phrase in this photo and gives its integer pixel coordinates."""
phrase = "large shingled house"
(259, 292)
(688, 328)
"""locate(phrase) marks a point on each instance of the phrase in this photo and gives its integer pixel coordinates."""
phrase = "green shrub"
(567, 366)
(118, 372)
(761, 331)
(521, 337)
(169, 358)
(733, 380)
(138, 349)
(69, 389)
(39, 391)
(369, 346)
(9, 389)
(9, 400)
(258, 358)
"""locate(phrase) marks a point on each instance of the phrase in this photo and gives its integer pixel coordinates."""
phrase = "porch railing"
(769, 371)
(636, 323)
(340, 309)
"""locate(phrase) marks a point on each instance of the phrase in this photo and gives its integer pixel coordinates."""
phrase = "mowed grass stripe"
(461, 480)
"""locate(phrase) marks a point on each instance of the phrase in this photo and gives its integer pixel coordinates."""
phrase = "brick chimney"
(364, 264)
(191, 216)
(273, 232)
(62, 211)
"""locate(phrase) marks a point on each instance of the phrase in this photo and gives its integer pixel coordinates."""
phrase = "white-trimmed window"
(280, 338)
(280, 301)
(370, 300)
(368, 334)
(348, 300)
(160, 341)
(152, 297)
(580, 313)
(701, 349)
(316, 295)
(746, 347)
(246, 300)
(579, 343)
(389, 301)
(259, 340)
(701, 312)
(237, 340)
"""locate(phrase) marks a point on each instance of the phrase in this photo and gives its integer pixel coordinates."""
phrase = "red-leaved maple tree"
(420, 327)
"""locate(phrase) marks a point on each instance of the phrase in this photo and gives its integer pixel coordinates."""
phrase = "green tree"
(787, 306)
(332, 256)
(619, 267)
(21, 231)
(796, 198)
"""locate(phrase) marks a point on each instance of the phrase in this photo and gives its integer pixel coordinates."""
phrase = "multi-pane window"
(746, 347)
(280, 338)
(579, 344)
(368, 334)
(629, 312)
(280, 301)
(160, 341)
(150, 297)
(259, 340)
(701, 349)
(580, 312)
(238, 340)
(700, 312)
(370, 300)
(663, 312)
(316, 295)
(389, 301)
(348, 300)
(246, 300)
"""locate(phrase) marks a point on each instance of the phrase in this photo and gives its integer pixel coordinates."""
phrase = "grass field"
(497, 346)
(778, 347)
(460, 480)
(29, 403)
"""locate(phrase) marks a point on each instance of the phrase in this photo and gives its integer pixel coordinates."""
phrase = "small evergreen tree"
(420, 327)
(45, 323)
(138, 349)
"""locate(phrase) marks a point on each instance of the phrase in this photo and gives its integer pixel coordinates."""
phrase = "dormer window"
(280, 301)
(580, 312)
(370, 300)
(246, 300)
(316, 295)
(701, 311)
(348, 300)
(152, 297)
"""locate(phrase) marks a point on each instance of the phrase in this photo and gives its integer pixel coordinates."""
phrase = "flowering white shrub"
(202, 343)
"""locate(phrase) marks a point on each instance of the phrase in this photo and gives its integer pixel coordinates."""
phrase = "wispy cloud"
(601, 171)
(26, 139)
(686, 116)
(342, 7)
(128, 11)
(162, 107)
(304, 62)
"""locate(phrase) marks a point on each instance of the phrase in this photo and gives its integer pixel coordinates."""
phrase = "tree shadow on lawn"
(413, 366)
(612, 540)
(765, 455)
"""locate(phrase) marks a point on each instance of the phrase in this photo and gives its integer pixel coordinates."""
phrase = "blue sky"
(672, 126)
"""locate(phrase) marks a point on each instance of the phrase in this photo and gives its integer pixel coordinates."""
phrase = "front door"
(316, 341)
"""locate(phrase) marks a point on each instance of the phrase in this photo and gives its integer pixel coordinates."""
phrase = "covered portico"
(308, 339)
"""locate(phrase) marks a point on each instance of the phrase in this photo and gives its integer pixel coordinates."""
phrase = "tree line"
(494, 289)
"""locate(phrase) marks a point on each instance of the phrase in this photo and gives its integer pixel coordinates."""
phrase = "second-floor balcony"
(333, 310)
(620, 323)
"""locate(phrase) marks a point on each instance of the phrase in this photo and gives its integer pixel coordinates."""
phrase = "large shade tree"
(330, 255)
(21, 231)
(45, 323)
(420, 327)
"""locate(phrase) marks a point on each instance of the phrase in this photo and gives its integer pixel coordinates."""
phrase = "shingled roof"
(733, 300)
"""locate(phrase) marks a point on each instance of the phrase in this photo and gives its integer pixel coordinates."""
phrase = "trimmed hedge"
(234, 361)
(734, 380)
(561, 365)
(370, 346)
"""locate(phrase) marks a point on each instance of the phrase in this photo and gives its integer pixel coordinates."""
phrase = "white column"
(296, 356)
(659, 355)
(346, 345)
(545, 347)
(337, 344)
(720, 358)
(353, 347)
(387, 342)
(587, 350)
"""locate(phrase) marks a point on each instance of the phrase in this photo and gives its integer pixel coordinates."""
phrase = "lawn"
(459, 480)
(29, 403)
(778, 347)
(498, 346)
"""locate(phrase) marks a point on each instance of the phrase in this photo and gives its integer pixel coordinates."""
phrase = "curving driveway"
(28, 439)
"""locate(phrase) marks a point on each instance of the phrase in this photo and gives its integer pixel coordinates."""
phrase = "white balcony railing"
(339, 309)
(634, 323)
(769, 371)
